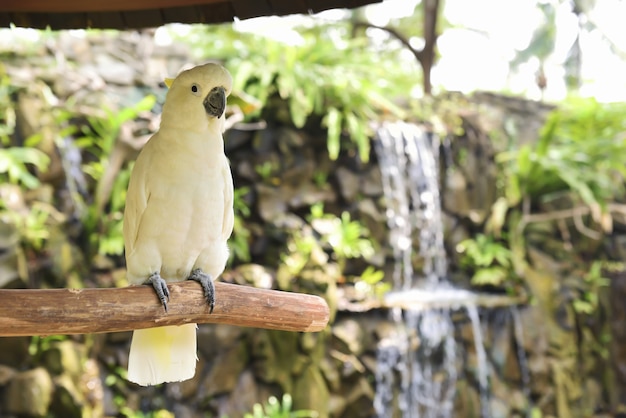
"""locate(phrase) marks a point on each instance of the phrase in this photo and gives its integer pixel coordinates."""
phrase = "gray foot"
(160, 287)
(206, 281)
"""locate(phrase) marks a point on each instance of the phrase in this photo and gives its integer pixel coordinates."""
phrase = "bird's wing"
(136, 201)
(229, 214)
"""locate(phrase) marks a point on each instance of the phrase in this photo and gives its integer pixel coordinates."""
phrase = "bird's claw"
(206, 281)
(160, 287)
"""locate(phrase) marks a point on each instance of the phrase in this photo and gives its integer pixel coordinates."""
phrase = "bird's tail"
(164, 354)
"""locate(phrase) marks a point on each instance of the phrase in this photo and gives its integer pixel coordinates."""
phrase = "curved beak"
(215, 102)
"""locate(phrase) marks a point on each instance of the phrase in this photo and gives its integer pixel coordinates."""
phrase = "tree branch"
(418, 54)
(81, 311)
(425, 56)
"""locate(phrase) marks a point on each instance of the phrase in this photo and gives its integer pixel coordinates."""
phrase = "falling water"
(417, 373)
(408, 158)
(479, 346)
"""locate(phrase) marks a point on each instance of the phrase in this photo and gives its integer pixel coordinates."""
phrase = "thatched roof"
(127, 14)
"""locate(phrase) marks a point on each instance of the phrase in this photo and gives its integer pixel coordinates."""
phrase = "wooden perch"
(82, 311)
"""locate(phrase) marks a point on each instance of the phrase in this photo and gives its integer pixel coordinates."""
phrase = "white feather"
(178, 216)
(164, 354)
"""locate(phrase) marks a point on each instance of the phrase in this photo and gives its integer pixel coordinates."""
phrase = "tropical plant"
(327, 73)
(593, 281)
(274, 408)
(580, 150)
(15, 162)
(576, 168)
(347, 238)
(488, 259)
(239, 245)
(98, 140)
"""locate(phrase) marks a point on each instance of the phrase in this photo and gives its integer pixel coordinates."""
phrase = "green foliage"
(300, 248)
(105, 230)
(328, 73)
(370, 283)
(489, 260)
(14, 160)
(267, 171)
(238, 243)
(32, 226)
(577, 161)
(340, 237)
(580, 150)
(40, 344)
(7, 113)
(273, 408)
(14, 163)
(593, 281)
(346, 237)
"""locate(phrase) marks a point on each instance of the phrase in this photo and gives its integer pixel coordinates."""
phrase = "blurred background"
(448, 175)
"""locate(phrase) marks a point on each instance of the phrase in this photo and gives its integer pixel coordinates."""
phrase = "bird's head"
(197, 97)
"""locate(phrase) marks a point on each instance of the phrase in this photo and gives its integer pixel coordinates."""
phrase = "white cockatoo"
(179, 215)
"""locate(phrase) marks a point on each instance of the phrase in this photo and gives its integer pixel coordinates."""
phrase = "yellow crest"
(168, 82)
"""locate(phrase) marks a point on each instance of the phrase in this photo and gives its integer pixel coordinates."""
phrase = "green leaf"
(490, 276)
(14, 160)
(524, 162)
(356, 128)
(372, 276)
(333, 121)
(498, 215)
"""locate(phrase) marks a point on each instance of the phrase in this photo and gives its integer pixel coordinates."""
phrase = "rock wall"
(551, 367)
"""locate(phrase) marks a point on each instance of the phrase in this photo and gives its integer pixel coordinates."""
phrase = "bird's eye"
(195, 89)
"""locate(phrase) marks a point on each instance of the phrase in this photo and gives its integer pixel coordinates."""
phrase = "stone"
(114, 71)
(264, 141)
(372, 184)
(499, 396)
(349, 332)
(456, 194)
(229, 337)
(291, 137)
(307, 194)
(535, 340)
(10, 276)
(235, 138)
(182, 411)
(273, 356)
(30, 393)
(349, 184)
(466, 401)
(499, 408)
(243, 397)
(67, 400)
(331, 373)
(65, 357)
(92, 387)
(6, 374)
(501, 345)
(359, 399)
(376, 223)
(272, 202)
(256, 275)
(14, 352)
(224, 371)
(310, 392)
(245, 170)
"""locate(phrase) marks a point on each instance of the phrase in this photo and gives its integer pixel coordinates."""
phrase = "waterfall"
(417, 367)
(408, 159)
